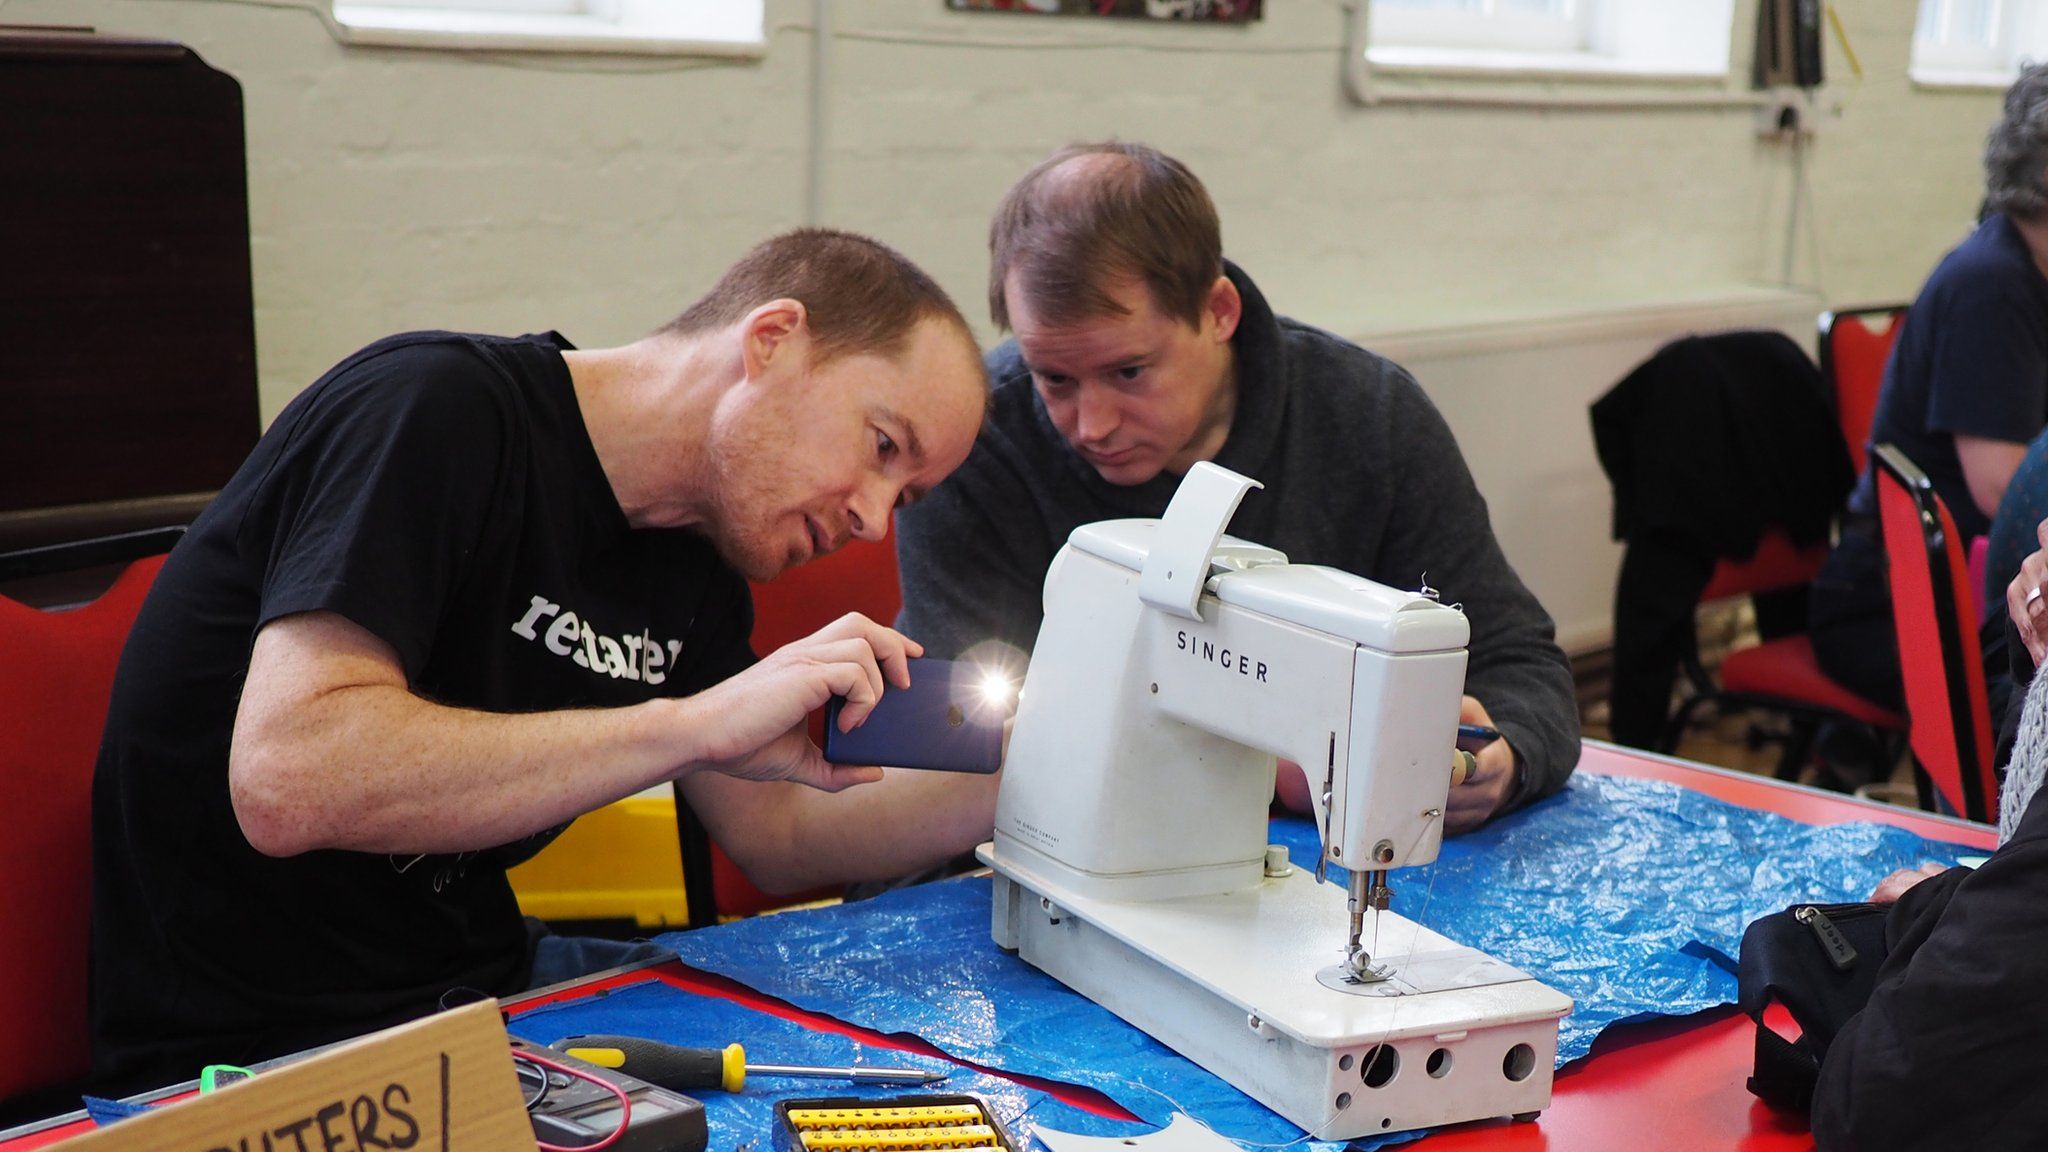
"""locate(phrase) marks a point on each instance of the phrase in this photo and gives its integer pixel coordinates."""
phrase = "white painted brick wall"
(393, 189)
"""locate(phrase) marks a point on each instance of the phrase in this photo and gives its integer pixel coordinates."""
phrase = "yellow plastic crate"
(620, 862)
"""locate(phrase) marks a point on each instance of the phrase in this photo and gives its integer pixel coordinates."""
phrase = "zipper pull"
(1840, 952)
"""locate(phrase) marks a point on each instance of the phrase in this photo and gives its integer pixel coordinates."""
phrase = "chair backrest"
(1935, 613)
(56, 674)
(1779, 564)
(860, 577)
(1854, 345)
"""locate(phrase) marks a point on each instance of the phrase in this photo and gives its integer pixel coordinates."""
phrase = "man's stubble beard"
(736, 530)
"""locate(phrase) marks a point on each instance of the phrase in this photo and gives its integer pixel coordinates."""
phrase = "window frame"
(506, 7)
(1485, 30)
(1641, 40)
(2019, 33)
(634, 27)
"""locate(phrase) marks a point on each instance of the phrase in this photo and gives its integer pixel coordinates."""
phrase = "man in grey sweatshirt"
(1139, 351)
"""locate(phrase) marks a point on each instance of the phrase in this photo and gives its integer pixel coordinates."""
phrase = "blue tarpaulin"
(738, 1120)
(1628, 895)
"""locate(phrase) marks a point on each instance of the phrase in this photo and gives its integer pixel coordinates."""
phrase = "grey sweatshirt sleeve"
(972, 556)
(1440, 531)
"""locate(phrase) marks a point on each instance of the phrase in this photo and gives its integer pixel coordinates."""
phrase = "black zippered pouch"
(1820, 961)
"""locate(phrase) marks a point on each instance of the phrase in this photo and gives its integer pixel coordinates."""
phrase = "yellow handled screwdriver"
(725, 1069)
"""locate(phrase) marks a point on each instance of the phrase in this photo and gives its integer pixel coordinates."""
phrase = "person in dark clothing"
(1139, 351)
(1965, 390)
(2017, 534)
(467, 588)
(1941, 1054)
(2013, 526)
(2014, 638)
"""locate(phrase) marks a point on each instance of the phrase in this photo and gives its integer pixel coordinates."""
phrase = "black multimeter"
(571, 1112)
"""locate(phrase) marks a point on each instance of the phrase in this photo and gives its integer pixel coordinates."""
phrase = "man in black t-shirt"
(469, 587)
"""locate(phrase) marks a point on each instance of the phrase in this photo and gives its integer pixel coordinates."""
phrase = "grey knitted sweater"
(1361, 473)
(2029, 763)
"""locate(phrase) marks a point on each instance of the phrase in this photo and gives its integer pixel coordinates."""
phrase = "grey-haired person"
(1964, 392)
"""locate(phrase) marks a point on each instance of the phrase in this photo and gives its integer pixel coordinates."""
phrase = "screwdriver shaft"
(857, 1075)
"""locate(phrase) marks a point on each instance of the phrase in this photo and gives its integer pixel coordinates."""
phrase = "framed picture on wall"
(1206, 11)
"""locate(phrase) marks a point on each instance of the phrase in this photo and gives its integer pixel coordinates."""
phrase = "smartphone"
(1473, 737)
(950, 719)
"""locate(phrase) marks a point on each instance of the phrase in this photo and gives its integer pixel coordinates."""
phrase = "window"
(1629, 37)
(1496, 25)
(560, 7)
(725, 27)
(1977, 43)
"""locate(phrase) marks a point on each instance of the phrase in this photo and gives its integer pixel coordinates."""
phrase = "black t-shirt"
(1972, 360)
(440, 491)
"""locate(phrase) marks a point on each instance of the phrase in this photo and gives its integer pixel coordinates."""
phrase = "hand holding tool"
(1473, 737)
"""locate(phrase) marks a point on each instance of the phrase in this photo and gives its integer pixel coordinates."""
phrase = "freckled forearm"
(788, 838)
(375, 768)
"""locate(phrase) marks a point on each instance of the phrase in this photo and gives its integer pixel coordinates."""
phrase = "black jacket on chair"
(1708, 444)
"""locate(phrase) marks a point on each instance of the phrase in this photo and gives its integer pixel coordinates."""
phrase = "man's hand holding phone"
(752, 725)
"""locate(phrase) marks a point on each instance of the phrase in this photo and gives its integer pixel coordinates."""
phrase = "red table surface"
(1666, 1084)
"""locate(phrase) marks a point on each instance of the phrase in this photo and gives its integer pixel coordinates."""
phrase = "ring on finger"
(2034, 596)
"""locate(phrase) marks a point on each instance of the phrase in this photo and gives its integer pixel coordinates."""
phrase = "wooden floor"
(1730, 742)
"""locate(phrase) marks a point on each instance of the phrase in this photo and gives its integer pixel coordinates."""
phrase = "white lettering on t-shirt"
(565, 628)
(632, 656)
(615, 664)
(541, 607)
(655, 668)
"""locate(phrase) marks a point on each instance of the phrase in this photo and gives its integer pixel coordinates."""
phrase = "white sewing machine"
(1130, 848)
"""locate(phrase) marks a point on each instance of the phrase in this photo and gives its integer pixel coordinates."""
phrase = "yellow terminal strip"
(952, 1137)
(811, 1119)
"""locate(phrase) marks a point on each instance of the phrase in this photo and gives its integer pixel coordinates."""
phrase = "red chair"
(1782, 674)
(1779, 673)
(860, 577)
(1935, 612)
(1855, 343)
(56, 674)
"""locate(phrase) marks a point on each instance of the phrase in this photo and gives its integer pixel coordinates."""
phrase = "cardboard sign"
(441, 1084)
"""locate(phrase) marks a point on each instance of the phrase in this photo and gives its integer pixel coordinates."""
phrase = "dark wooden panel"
(127, 329)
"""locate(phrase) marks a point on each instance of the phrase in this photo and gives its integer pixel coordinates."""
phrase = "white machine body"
(1173, 665)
